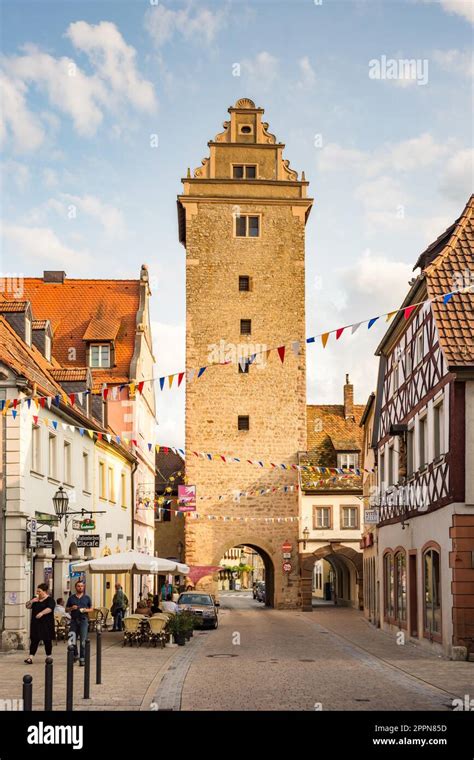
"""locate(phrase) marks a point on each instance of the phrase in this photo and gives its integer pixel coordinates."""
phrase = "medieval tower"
(242, 219)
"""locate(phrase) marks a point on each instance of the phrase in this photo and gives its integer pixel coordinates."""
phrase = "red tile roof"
(455, 319)
(72, 305)
(8, 307)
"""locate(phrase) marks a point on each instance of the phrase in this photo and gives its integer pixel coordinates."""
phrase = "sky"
(106, 104)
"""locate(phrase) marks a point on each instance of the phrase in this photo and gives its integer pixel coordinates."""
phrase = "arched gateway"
(242, 219)
(347, 565)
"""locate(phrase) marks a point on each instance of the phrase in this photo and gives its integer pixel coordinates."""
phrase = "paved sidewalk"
(456, 678)
(130, 676)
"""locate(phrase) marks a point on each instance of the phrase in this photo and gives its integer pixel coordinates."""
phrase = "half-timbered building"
(424, 440)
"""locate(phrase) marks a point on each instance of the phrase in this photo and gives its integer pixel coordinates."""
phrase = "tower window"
(99, 355)
(245, 326)
(245, 129)
(247, 226)
(243, 422)
(244, 282)
(244, 171)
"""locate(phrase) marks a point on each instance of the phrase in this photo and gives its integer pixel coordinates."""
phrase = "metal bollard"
(48, 684)
(70, 678)
(27, 693)
(98, 655)
(87, 670)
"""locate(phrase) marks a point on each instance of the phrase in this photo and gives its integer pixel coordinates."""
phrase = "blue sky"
(87, 85)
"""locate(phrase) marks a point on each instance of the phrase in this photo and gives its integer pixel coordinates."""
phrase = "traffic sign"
(286, 555)
(287, 567)
(33, 525)
(287, 547)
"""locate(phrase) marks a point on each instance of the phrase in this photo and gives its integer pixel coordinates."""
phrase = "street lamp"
(305, 537)
(61, 503)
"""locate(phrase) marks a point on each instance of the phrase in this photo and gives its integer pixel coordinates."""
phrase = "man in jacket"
(119, 605)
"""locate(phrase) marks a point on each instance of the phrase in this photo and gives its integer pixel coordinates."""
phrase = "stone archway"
(265, 553)
(337, 555)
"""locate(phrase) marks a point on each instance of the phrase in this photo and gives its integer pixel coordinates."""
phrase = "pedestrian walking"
(42, 621)
(119, 606)
(79, 605)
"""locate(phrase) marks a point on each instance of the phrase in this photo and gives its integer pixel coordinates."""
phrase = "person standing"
(79, 605)
(119, 605)
(42, 621)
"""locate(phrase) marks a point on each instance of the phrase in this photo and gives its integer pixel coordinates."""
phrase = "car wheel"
(215, 624)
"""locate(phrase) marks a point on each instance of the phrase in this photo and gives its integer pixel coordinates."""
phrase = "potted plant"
(187, 622)
(177, 628)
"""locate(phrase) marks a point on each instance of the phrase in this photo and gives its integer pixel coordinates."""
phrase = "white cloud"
(384, 201)
(200, 24)
(307, 73)
(17, 172)
(455, 61)
(463, 8)
(458, 178)
(114, 83)
(15, 118)
(50, 177)
(107, 215)
(114, 62)
(263, 68)
(42, 244)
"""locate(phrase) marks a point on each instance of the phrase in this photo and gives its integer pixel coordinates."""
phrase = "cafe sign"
(91, 541)
(86, 524)
(186, 498)
(43, 540)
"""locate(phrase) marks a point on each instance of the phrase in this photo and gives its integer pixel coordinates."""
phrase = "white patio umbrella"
(131, 562)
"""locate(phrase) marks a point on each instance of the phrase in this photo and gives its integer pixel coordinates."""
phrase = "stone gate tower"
(242, 221)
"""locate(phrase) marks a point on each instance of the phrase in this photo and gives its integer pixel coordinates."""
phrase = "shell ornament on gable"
(202, 171)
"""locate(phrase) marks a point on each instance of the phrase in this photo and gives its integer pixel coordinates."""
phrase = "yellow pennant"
(7, 404)
(131, 390)
(170, 380)
(390, 316)
(157, 448)
(324, 339)
(91, 433)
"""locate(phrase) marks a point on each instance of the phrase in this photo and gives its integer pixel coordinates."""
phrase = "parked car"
(260, 591)
(204, 607)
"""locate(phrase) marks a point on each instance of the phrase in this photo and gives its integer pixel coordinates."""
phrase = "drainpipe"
(132, 583)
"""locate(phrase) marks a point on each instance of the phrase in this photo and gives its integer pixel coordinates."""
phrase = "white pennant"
(191, 373)
(355, 327)
(295, 347)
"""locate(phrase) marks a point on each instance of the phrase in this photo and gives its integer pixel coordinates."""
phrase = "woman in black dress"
(42, 621)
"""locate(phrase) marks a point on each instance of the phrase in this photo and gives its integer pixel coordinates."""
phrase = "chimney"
(348, 400)
(54, 276)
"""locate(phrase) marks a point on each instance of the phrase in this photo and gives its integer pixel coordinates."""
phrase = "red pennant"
(281, 353)
(134, 442)
(223, 458)
(166, 449)
(15, 403)
(72, 398)
(99, 436)
(408, 311)
(105, 393)
(140, 386)
(43, 401)
(35, 419)
(180, 377)
(339, 332)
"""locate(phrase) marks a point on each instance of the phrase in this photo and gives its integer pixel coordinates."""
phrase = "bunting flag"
(190, 374)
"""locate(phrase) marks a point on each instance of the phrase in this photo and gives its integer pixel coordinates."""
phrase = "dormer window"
(28, 331)
(99, 355)
(47, 348)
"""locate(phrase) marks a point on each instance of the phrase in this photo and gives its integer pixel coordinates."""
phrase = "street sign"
(33, 525)
(186, 498)
(287, 567)
(286, 555)
(286, 547)
(91, 541)
(41, 540)
(371, 516)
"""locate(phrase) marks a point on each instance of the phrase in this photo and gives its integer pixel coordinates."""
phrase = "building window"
(244, 283)
(391, 466)
(408, 362)
(318, 577)
(53, 457)
(102, 481)
(419, 347)
(85, 471)
(28, 331)
(67, 463)
(47, 347)
(401, 586)
(395, 377)
(111, 484)
(245, 326)
(244, 171)
(349, 517)
(432, 592)
(382, 470)
(389, 586)
(99, 355)
(438, 419)
(36, 449)
(410, 452)
(348, 460)
(322, 518)
(123, 489)
(245, 129)
(422, 441)
(243, 422)
(247, 226)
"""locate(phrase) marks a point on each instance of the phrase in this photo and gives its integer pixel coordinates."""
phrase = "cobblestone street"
(259, 659)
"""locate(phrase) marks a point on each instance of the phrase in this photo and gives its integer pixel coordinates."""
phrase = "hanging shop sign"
(85, 524)
(43, 540)
(371, 515)
(91, 541)
(186, 498)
